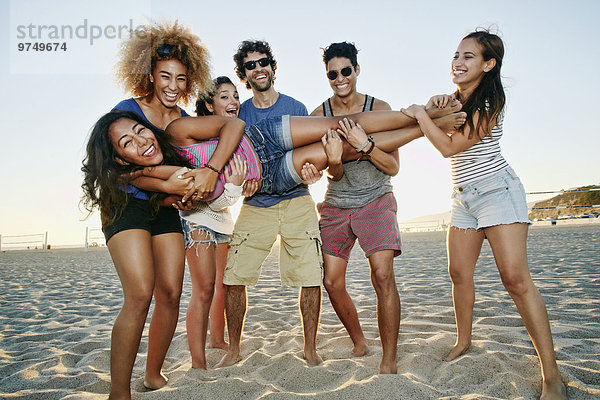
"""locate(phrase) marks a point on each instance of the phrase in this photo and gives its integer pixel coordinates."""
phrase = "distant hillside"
(568, 199)
(425, 222)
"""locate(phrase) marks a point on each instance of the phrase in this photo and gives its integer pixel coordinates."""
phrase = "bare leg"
(235, 312)
(464, 246)
(307, 130)
(169, 266)
(201, 261)
(388, 307)
(509, 243)
(217, 307)
(388, 141)
(334, 281)
(131, 251)
(310, 309)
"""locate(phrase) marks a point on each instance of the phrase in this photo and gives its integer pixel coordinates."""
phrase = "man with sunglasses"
(359, 203)
(291, 215)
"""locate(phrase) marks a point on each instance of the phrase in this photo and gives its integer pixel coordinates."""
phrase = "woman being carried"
(274, 149)
(488, 200)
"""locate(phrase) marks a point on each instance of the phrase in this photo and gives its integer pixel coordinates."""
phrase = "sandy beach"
(57, 309)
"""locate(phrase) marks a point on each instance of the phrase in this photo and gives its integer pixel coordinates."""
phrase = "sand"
(57, 308)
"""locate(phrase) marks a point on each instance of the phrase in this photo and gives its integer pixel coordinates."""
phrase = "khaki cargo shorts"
(256, 229)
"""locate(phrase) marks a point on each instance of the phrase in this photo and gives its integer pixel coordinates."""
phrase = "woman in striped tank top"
(488, 200)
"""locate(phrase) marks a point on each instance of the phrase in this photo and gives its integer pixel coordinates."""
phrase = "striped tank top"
(200, 153)
(480, 160)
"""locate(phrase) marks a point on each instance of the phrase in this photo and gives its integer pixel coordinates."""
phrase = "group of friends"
(164, 181)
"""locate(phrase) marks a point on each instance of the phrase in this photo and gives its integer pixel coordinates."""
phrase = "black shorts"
(137, 215)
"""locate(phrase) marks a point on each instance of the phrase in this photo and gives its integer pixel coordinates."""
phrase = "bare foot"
(155, 382)
(360, 349)
(228, 360)
(312, 357)
(553, 390)
(388, 369)
(199, 364)
(457, 350)
(451, 122)
(220, 345)
(452, 107)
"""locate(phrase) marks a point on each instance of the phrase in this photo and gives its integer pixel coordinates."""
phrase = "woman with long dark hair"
(488, 200)
(145, 241)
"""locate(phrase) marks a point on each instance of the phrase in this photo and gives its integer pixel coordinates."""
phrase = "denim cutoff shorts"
(498, 199)
(272, 142)
(213, 236)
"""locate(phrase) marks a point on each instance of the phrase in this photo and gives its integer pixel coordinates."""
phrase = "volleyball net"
(31, 241)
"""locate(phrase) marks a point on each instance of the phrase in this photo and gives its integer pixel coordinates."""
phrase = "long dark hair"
(103, 185)
(488, 98)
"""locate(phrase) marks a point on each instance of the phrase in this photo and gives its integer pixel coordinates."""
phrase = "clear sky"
(51, 99)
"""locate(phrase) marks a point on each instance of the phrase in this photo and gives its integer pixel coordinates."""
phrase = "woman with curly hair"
(161, 66)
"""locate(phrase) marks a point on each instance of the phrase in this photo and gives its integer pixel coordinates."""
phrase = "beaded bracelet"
(207, 165)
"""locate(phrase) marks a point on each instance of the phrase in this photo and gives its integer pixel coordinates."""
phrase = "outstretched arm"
(447, 145)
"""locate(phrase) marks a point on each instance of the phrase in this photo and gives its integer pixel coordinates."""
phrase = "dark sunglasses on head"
(332, 75)
(165, 50)
(263, 62)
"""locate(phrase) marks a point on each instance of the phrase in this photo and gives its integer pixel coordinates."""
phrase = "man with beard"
(291, 215)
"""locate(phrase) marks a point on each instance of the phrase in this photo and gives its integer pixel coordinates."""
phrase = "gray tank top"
(362, 182)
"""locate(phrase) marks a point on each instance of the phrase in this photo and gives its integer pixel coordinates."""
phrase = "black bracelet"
(207, 165)
(366, 153)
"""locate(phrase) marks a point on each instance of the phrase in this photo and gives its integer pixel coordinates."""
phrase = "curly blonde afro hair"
(138, 57)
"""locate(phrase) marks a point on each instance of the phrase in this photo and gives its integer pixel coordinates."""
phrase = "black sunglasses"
(332, 75)
(168, 50)
(263, 62)
(165, 50)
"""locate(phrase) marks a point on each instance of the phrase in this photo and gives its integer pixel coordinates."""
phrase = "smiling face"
(468, 65)
(260, 78)
(226, 101)
(343, 86)
(134, 143)
(169, 80)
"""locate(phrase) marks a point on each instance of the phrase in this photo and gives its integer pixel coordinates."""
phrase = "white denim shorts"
(498, 199)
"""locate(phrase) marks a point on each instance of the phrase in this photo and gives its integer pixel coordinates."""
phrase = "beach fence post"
(46, 240)
(85, 243)
(0, 242)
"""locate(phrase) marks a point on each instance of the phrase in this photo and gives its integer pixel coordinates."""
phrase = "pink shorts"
(375, 225)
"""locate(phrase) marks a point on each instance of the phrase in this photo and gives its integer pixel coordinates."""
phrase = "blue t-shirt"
(132, 105)
(285, 105)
